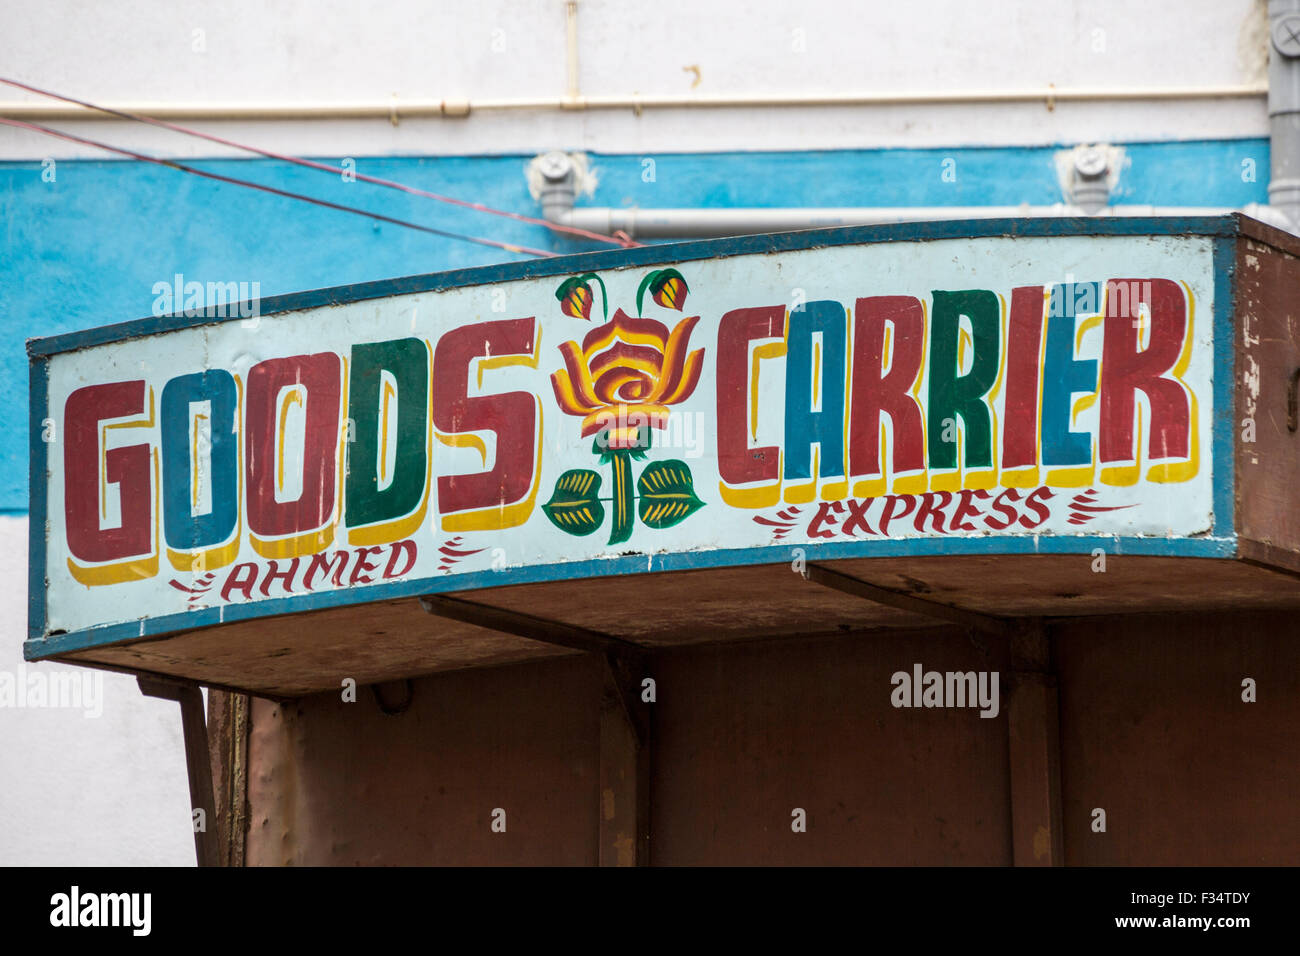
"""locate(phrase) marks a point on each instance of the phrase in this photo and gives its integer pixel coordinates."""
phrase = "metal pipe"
(458, 108)
(705, 223)
(1284, 108)
(558, 189)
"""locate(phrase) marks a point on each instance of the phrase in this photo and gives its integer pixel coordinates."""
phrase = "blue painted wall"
(86, 249)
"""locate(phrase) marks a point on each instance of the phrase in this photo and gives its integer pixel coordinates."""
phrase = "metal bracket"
(523, 625)
(198, 762)
(624, 673)
(906, 602)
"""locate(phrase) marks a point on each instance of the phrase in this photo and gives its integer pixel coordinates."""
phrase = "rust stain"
(624, 850)
(1042, 843)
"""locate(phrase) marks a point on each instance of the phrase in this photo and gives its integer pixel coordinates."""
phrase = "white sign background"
(843, 274)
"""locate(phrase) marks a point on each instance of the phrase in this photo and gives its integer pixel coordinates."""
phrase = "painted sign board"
(936, 389)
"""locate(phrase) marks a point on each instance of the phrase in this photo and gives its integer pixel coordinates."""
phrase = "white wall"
(81, 788)
(348, 51)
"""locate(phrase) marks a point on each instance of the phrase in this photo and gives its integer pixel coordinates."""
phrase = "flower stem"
(624, 495)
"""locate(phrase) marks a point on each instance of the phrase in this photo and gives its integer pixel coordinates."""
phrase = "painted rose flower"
(621, 382)
(626, 375)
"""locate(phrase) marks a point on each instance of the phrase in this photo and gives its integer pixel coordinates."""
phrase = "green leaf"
(645, 284)
(574, 507)
(604, 295)
(666, 494)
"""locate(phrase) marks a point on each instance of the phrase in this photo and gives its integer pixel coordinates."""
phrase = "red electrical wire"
(36, 127)
(310, 164)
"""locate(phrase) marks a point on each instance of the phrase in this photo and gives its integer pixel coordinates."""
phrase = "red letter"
(857, 517)
(319, 564)
(363, 565)
(1024, 345)
(824, 516)
(319, 376)
(273, 571)
(241, 578)
(874, 390)
(1126, 368)
(887, 513)
(1035, 504)
(406, 549)
(1000, 506)
(511, 415)
(738, 464)
(929, 509)
(127, 467)
(965, 509)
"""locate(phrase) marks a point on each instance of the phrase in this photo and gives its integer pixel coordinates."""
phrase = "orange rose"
(625, 375)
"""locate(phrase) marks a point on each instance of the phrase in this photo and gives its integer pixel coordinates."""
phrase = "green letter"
(376, 409)
(963, 395)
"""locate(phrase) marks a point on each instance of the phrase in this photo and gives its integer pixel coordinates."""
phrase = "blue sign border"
(1220, 542)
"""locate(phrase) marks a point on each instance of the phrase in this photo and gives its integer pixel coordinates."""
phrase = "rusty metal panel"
(1154, 731)
(747, 734)
(1267, 423)
(743, 735)
(342, 783)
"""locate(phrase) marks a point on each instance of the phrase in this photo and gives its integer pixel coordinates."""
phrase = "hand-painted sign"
(619, 414)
